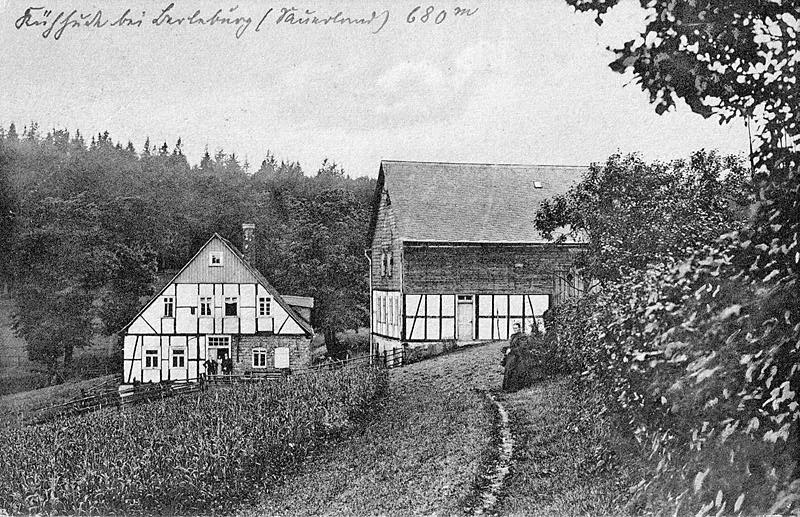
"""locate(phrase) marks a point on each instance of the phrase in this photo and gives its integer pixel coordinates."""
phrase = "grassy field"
(420, 455)
(431, 438)
(204, 453)
(561, 466)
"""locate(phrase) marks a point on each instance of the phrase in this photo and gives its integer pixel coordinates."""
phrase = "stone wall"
(242, 351)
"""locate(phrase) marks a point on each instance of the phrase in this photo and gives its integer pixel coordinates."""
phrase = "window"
(219, 341)
(178, 357)
(169, 306)
(215, 258)
(259, 358)
(151, 358)
(383, 263)
(391, 312)
(205, 306)
(231, 306)
(264, 307)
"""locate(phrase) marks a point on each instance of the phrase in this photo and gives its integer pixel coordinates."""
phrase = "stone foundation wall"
(242, 351)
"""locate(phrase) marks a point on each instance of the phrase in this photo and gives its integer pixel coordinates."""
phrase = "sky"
(514, 82)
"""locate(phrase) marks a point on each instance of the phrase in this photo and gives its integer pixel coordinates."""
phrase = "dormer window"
(215, 258)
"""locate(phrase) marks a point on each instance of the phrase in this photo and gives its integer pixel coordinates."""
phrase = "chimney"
(248, 244)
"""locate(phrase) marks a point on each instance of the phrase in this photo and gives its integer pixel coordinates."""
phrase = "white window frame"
(264, 307)
(169, 306)
(260, 354)
(217, 341)
(178, 352)
(235, 301)
(215, 259)
(147, 355)
(209, 303)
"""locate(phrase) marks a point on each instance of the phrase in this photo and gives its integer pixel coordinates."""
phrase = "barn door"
(465, 314)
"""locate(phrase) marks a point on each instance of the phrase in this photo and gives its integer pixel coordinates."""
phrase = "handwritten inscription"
(54, 23)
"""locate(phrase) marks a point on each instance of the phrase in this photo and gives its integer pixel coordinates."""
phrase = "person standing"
(512, 357)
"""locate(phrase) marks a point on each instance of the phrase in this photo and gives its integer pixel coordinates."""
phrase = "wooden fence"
(109, 395)
(394, 358)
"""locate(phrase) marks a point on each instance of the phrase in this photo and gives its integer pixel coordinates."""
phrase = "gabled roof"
(306, 326)
(470, 202)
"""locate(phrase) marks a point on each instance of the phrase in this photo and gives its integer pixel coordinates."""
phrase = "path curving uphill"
(431, 445)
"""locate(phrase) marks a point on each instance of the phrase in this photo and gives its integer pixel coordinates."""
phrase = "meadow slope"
(421, 454)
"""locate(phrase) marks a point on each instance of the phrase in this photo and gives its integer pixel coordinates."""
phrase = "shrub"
(181, 455)
(699, 363)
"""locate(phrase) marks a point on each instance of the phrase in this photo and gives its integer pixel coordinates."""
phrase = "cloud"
(414, 92)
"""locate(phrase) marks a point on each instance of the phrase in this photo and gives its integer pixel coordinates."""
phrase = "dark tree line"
(86, 226)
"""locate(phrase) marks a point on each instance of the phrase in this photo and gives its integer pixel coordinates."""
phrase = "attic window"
(215, 259)
(537, 184)
(264, 306)
(169, 306)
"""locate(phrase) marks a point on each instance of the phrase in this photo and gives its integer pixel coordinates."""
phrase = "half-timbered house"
(455, 255)
(219, 308)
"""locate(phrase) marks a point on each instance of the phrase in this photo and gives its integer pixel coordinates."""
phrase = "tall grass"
(182, 455)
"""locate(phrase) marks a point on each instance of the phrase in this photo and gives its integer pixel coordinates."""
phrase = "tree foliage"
(93, 224)
(702, 357)
(631, 214)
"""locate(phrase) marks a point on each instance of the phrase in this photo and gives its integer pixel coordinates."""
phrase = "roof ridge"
(487, 164)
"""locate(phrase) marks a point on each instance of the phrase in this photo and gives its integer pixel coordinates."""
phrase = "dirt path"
(421, 455)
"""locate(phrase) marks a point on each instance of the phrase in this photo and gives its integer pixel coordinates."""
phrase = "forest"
(88, 228)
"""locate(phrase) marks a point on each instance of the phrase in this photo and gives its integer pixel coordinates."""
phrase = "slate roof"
(471, 202)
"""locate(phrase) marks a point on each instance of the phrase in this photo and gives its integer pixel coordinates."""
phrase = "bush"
(699, 364)
(181, 455)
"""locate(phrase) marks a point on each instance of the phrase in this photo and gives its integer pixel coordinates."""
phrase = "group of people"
(212, 366)
(514, 372)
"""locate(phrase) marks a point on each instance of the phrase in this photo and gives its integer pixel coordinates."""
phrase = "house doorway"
(218, 351)
(465, 315)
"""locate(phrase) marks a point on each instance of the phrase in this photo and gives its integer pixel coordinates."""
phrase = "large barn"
(455, 256)
(220, 309)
